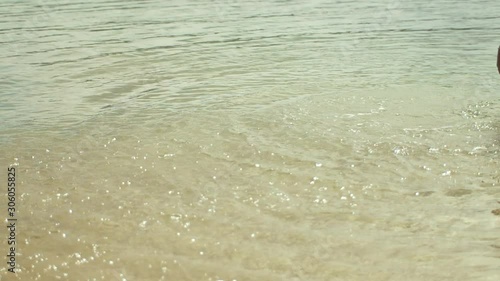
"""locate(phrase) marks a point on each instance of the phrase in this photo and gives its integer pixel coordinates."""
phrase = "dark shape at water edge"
(498, 60)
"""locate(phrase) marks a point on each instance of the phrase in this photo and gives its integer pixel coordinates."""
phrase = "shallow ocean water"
(231, 140)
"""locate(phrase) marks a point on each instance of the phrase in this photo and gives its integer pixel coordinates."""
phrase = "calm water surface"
(252, 140)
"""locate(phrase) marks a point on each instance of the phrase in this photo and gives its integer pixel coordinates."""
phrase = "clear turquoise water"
(65, 61)
(253, 140)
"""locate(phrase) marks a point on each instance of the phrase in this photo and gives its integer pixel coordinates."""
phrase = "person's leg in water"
(498, 60)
